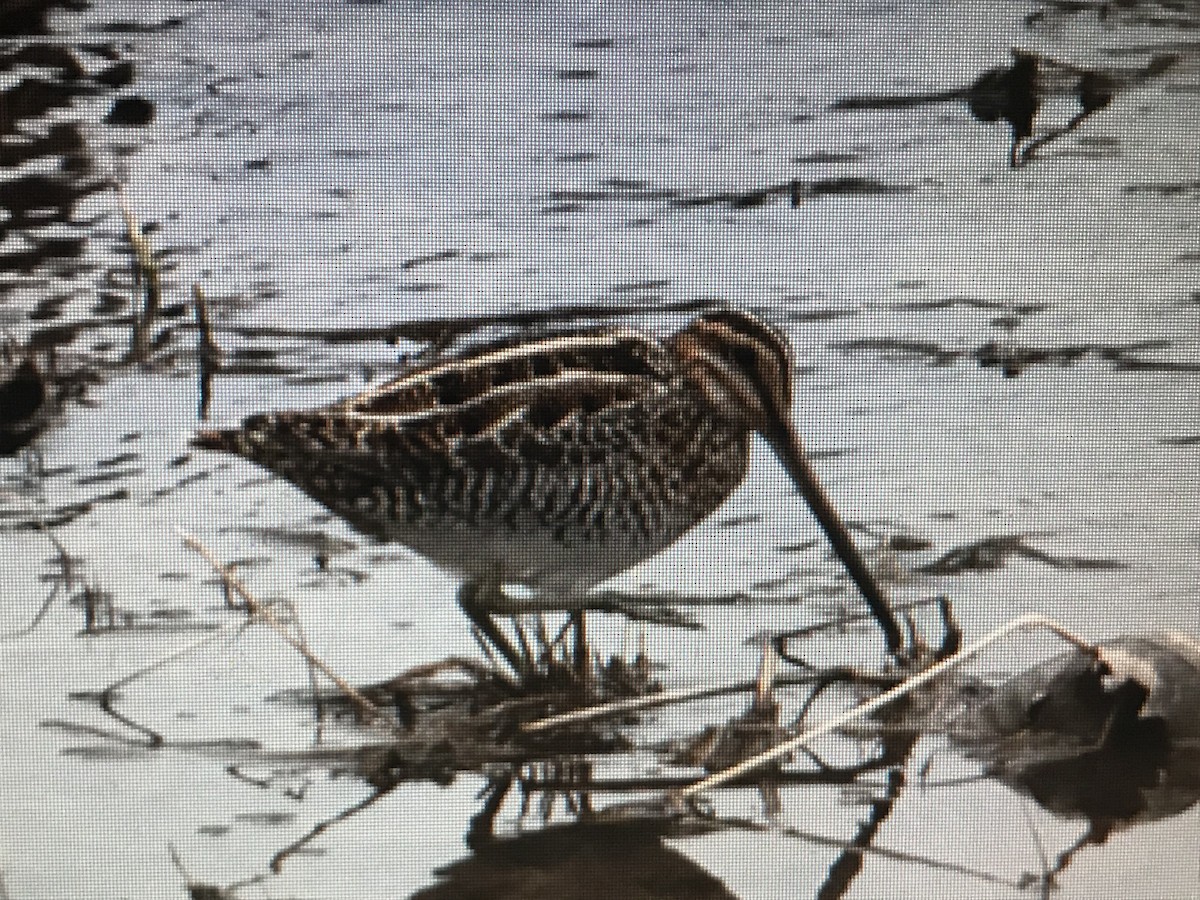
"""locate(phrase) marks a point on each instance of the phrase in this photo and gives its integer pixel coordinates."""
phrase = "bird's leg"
(473, 599)
(481, 599)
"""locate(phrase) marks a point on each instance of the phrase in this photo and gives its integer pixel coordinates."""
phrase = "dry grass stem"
(661, 698)
(768, 670)
(147, 274)
(263, 613)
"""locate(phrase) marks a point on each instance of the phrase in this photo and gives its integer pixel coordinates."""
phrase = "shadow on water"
(613, 853)
(1106, 734)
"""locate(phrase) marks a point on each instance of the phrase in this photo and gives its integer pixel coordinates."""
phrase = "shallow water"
(347, 181)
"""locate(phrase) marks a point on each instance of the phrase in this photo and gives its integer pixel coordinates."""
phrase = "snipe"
(555, 462)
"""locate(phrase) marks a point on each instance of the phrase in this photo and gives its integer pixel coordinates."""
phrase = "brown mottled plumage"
(556, 462)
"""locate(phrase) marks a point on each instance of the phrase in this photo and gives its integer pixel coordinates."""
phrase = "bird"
(27, 400)
(553, 462)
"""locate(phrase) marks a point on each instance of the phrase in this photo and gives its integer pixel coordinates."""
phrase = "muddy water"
(998, 371)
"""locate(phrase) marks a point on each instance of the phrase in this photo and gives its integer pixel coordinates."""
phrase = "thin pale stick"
(368, 709)
(767, 668)
(662, 698)
(147, 273)
(1030, 620)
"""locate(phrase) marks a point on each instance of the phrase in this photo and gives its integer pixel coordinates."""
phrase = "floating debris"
(1112, 738)
(1016, 93)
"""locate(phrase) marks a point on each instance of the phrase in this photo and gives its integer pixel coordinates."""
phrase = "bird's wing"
(489, 375)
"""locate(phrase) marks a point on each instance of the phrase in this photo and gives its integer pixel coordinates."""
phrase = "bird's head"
(743, 367)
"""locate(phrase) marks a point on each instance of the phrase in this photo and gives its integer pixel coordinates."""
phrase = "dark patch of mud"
(23, 520)
(29, 398)
(898, 350)
(825, 157)
(797, 192)
(1186, 440)
(1111, 738)
(1009, 309)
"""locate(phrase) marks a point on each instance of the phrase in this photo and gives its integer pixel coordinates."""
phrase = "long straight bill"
(791, 454)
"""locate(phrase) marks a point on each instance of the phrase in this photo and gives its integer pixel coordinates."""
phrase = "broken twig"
(263, 612)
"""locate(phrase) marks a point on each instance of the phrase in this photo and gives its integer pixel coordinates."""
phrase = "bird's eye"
(741, 356)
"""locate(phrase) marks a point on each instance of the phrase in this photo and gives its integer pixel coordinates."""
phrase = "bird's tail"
(229, 440)
(259, 438)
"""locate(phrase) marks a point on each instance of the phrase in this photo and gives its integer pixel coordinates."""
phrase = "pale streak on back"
(514, 397)
(423, 378)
